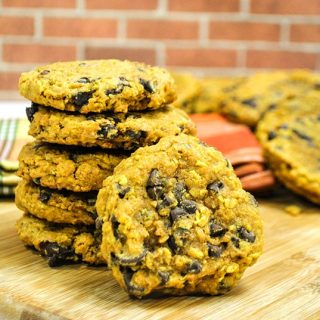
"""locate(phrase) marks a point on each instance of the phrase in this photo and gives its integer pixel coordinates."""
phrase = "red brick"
(310, 7)
(39, 3)
(280, 59)
(162, 29)
(204, 5)
(9, 80)
(305, 33)
(83, 28)
(135, 54)
(37, 53)
(244, 31)
(122, 4)
(218, 58)
(16, 26)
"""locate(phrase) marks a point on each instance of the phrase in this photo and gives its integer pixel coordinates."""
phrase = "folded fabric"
(240, 147)
(13, 135)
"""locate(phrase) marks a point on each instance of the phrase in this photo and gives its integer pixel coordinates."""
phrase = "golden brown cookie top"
(98, 85)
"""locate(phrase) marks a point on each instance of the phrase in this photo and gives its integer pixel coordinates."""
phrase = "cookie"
(61, 244)
(123, 131)
(98, 85)
(188, 91)
(213, 93)
(72, 168)
(293, 152)
(246, 101)
(56, 206)
(177, 221)
(285, 111)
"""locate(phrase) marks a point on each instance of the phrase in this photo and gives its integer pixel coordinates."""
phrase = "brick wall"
(221, 37)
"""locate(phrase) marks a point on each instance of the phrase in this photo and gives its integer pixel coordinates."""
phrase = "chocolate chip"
(44, 195)
(119, 88)
(30, 111)
(194, 267)
(216, 230)
(127, 274)
(236, 242)
(122, 191)
(81, 98)
(246, 235)
(250, 102)
(91, 201)
(146, 85)
(317, 86)
(177, 213)
(271, 107)
(107, 131)
(215, 251)
(73, 157)
(98, 223)
(271, 135)
(135, 135)
(172, 244)
(189, 206)
(84, 80)
(56, 253)
(82, 64)
(132, 261)
(154, 185)
(115, 225)
(164, 276)
(44, 72)
(114, 91)
(180, 189)
(302, 135)
(215, 186)
(166, 202)
(36, 181)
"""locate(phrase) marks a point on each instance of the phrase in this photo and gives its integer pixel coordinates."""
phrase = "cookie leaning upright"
(98, 85)
(177, 221)
(293, 151)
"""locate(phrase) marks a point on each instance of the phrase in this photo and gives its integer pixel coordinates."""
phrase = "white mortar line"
(160, 54)
(38, 26)
(80, 6)
(150, 43)
(241, 57)
(245, 7)
(285, 32)
(122, 29)
(80, 50)
(204, 31)
(162, 7)
(170, 15)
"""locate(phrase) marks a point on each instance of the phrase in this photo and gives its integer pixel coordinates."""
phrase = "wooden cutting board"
(284, 284)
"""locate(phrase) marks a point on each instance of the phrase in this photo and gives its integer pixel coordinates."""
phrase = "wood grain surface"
(284, 284)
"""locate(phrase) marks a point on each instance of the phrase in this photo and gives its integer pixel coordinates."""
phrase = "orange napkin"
(240, 146)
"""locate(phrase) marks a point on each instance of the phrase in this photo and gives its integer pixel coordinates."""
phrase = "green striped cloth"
(13, 135)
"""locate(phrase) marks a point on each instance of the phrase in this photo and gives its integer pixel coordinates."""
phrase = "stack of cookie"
(86, 117)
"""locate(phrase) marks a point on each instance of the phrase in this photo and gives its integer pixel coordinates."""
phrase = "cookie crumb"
(293, 210)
